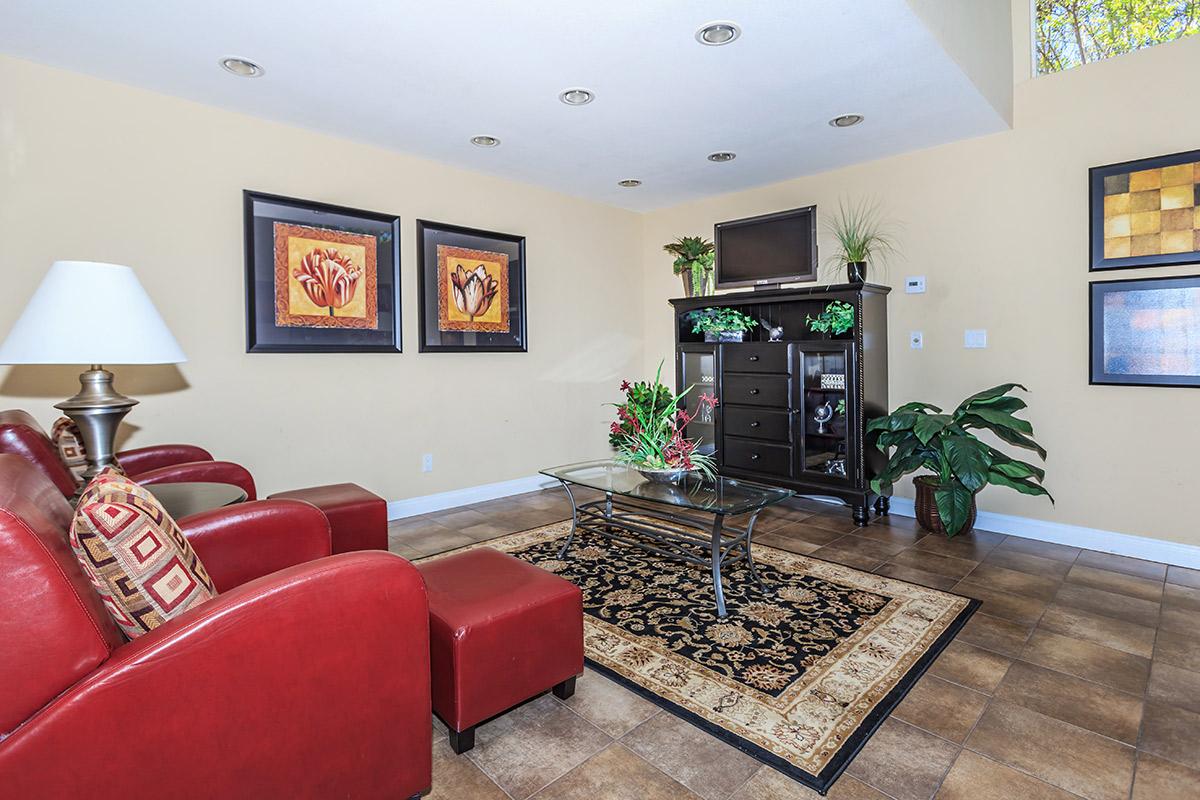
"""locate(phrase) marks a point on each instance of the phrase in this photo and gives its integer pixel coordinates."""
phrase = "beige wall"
(998, 225)
(97, 171)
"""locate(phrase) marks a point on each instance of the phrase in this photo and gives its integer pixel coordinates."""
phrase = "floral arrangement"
(837, 318)
(648, 432)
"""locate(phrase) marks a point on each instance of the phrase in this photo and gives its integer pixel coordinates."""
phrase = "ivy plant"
(720, 320)
(837, 318)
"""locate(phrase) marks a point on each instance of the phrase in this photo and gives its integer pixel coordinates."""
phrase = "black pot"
(856, 271)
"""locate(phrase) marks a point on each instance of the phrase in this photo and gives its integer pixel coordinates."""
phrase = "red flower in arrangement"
(328, 277)
(625, 387)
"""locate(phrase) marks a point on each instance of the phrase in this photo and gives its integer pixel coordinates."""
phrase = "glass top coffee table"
(670, 519)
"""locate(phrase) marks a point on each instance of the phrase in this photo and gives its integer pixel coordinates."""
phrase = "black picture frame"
(1098, 371)
(430, 337)
(260, 213)
(1111, 175)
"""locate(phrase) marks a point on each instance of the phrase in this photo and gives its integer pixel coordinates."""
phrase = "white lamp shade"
(85, 312)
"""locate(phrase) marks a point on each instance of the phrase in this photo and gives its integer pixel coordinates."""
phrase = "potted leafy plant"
(694, 258)
(721, 324)
(862, 239)
(925, 437)
(648, 431)
(836, 319)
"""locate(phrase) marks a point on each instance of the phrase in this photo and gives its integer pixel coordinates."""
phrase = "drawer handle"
(754, 456)
(754, 424)
(754, 358)
(754, 391)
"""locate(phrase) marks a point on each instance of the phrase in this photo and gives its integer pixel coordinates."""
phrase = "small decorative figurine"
(774, 332)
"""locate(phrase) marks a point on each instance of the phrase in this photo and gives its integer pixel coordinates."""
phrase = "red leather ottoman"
(357, 518)
(501, 631)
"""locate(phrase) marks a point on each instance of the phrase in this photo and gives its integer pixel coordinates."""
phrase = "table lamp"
(86, 312)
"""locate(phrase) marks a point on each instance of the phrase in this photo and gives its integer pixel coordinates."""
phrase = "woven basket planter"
(926, 507)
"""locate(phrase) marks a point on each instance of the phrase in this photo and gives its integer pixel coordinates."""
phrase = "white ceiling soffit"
(423, 78)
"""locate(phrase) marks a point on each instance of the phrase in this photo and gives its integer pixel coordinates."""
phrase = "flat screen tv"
(767, 250)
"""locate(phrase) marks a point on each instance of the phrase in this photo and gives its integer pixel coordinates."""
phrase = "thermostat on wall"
(914, 284)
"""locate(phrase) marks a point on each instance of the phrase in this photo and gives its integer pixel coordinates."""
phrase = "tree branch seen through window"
(1074, 32)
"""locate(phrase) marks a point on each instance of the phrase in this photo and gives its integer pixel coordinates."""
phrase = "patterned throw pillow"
(66, 437)
(135, 555)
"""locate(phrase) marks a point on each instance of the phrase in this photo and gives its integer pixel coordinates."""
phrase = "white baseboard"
(399, 509)
(1122, 544)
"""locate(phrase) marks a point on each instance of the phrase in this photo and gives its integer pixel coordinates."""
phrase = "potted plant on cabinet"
(836, 319)
(963, 464)
(694, 258)
(721, 324)
(862, 239)
(648, 431)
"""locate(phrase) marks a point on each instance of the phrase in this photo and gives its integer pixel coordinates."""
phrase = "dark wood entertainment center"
(773, 422)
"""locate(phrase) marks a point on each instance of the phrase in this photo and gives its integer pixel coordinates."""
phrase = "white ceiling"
(422, 78)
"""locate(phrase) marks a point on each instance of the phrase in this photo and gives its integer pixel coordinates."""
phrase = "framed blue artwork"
(1145, 332)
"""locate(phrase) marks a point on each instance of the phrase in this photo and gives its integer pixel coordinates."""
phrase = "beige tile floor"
(1079, 677)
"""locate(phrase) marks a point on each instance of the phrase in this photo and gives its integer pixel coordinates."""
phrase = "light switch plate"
(914, 284)
(916, 340)
(975, 337)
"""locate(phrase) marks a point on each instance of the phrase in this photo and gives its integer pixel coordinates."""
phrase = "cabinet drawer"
(755, 390)
(757, 357)
(772, 459)
(758, 424)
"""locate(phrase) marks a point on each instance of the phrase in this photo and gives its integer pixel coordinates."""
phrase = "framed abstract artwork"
(471, 290)
(1145, 213)
(1145, 332)
(320, 278)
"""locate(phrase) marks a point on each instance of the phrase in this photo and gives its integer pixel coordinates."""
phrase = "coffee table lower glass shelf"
(669, 519)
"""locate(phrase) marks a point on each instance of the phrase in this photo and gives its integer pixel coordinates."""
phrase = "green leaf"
(903, 420)
(1022, 485)
(954, 507)
(1018, 469)
(1007, 434)
(1003, 419)
(1009, 404)
(919, 407)
(928, 426)
(968, 459)
(988, 394)
(878, 424)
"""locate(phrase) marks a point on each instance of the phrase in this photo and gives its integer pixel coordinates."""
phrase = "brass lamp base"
(98, 410)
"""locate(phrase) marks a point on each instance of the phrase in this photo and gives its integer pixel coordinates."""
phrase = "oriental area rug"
(798, 676)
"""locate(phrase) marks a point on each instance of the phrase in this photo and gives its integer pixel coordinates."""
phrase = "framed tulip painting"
(472, 290)
(320, 278)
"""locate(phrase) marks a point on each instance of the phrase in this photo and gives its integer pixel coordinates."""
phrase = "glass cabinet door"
(826, 374)
(698, 368)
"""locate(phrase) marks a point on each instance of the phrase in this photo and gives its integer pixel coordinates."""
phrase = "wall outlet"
(975, 338)
(427, 462)
(914, 284)
(916, 340)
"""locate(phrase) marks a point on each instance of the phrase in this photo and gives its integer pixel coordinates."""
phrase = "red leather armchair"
(21, 435)
(301, 679)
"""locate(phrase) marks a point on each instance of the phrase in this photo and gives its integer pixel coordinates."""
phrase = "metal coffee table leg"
(750, 553)
(718, 523)
(562, 551)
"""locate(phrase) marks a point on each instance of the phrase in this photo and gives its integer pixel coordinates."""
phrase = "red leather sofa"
(306, 677)
(21, 435)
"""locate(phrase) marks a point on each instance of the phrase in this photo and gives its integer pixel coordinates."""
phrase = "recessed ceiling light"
(484, 141)
(577, 97)
(241, 67)
(715, 34)
(629, 183)
(722, 157)
(846, 120)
